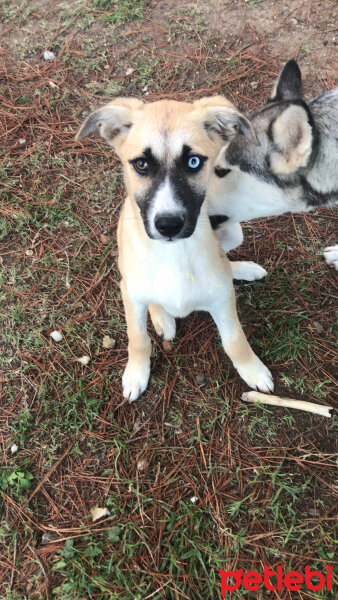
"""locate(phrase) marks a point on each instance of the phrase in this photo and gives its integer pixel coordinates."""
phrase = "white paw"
(135, 381)
(165, 324)
(247, 270)
(331, 256)
(257, 376)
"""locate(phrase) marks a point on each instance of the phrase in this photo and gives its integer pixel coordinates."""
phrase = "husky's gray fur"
(294, 168)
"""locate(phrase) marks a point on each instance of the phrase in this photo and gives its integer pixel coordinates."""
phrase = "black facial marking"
(183, 160)
(217, 220)
(221, 172)
(188, 194)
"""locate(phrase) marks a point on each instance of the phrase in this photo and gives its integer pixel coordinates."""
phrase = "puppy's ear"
(220, 118)
(292, 138)
(289, 83)
(112, 122)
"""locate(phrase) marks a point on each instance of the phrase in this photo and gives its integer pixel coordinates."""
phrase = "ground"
(263, 477)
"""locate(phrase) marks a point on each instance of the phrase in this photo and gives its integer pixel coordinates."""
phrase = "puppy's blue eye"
(194, 162)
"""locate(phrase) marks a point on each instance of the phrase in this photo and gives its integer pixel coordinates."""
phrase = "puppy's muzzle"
(169, 225)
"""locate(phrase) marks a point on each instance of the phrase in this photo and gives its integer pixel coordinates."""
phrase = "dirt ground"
(263, 479)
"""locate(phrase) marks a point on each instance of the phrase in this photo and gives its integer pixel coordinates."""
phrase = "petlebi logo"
(292, 580)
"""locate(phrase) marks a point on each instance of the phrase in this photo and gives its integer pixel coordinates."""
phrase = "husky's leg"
(331, 256)
(247, 270)
(231, 235)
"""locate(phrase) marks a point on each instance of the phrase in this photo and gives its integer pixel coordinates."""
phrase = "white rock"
(194, 499)
(84, 360)
(48, 55)
(52, 84)
(22, 141)
(14, 449)
(56, 336)
(129, 72)
(98, 513)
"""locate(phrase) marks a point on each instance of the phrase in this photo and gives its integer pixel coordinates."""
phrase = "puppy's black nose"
(169, 225)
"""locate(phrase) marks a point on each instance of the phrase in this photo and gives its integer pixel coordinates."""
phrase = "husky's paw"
(135, 381)
(331, 256)
(247, 270)
(164, 324)
(257, 376)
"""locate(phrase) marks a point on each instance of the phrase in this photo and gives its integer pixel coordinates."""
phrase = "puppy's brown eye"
(141, 166)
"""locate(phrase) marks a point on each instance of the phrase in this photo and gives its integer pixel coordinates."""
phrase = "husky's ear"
(112, 122)
(291, 135)
(289, 83)
(220, 118)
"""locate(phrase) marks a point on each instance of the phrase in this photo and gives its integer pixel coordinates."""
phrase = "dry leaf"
(108, 342)
(104, 239)
(97, 513)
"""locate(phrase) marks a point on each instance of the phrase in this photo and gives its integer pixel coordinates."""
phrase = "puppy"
(294, 168)
(170, 259)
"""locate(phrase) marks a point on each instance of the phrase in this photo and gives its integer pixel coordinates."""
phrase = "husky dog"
(170, 259)
(294, 168)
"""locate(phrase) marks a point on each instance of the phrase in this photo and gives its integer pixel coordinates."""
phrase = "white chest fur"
(181, 276)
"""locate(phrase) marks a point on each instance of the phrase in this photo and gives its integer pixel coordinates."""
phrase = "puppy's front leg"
(237, 347)
(136, 375)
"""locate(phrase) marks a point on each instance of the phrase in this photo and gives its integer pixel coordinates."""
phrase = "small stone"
(49, 536)
(166, 345)
(84, 360)
(48, 55)
(200, 379)
(14, 449)
(254, 85)
(29, 252)
(194, 499)
(108, 342)
(319, 327)
(52, 84)
(145, 88)
(142, 465)
(129, 72)
(56, 336)
(22, 141)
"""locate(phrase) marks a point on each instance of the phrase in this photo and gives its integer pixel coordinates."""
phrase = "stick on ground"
(257, 397)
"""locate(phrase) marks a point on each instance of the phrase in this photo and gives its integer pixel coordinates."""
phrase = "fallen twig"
(257, 397)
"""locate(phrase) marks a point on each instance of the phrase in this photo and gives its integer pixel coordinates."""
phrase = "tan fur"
(293, 136)
(172, 279)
